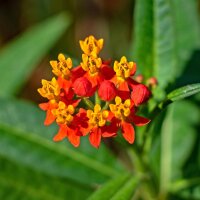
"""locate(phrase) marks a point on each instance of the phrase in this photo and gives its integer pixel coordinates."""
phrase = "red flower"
(107, 91)
(68, 123)
(97, 125)
(83, 87)
(123, 115)
(140, 94)
(124, 70)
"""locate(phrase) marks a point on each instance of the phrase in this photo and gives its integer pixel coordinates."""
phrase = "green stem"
(88, 103)
(165, 159)
(106, 105)
(143, 171)
(97, 99)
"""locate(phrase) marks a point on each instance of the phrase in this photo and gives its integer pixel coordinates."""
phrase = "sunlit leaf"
(18, 182)
(19, 57)
(175, 143)
(25, 140)
(119, 188)
(184, 92)
(165, 37)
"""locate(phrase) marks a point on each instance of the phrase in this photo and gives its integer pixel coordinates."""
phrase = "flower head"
(61, 68)
(76, 114)
(97, 118)
(50, 89)
(121, 110)
(124, 116)
(64, 113)
(91, 46)
(91, 64)
(124, 69)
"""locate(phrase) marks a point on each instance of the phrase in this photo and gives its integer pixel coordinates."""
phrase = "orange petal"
(62, 133)
(73, 138)
(95, 137)
(49, 118)
(140, 121)
(128, 132)
(124, 86)
(44, 106)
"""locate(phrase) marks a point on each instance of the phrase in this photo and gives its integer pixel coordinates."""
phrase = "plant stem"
(97, 99)
(88, 103)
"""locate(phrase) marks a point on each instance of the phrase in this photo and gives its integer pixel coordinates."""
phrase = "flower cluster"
(113, 108)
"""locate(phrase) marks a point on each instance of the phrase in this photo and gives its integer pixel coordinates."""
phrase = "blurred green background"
(162, 36)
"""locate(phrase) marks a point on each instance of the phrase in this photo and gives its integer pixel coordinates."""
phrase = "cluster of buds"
(116, 97)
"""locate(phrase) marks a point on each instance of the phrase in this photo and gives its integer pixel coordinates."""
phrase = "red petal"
(107, 91)
(77, 72)
(95, 137)
(49, 118)
(140, 121)
(110, 130)
(128, 132)
(73, 138)
(82, 86)
(62, 133)
(107, 72)
(124, 86)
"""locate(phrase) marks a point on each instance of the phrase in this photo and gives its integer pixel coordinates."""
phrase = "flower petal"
(49, 118)
(62, 133)
(95, 137)
(128, 132)
(140, 121)
(73, 138)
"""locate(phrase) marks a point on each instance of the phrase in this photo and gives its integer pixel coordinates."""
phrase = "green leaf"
(184, 92)
(25, 140)
(163, 43)
(177, 94)
(18, 182)
(176, 142)
(19, 58)
(127, 191)
(122, 187)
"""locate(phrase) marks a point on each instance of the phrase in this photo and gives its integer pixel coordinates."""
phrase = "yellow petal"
(61, 57)
(127, 103)
(89, 113)
(100, 43)
(70, 109)
(105, 114)
(123, 59)
(54, 63)
(118, 100)
(97, 108)
(127, 112)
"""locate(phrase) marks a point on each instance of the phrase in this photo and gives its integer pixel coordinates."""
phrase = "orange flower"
(65, 119)
(124, 70)
(97, 125)
(62, 67)
(95, 71)
(123, 117)
(91, 46)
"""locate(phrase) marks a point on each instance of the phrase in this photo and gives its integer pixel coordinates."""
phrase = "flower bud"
(82, 87)
(107, 91)
(139, 78)
(140, 94)
(153, 82)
